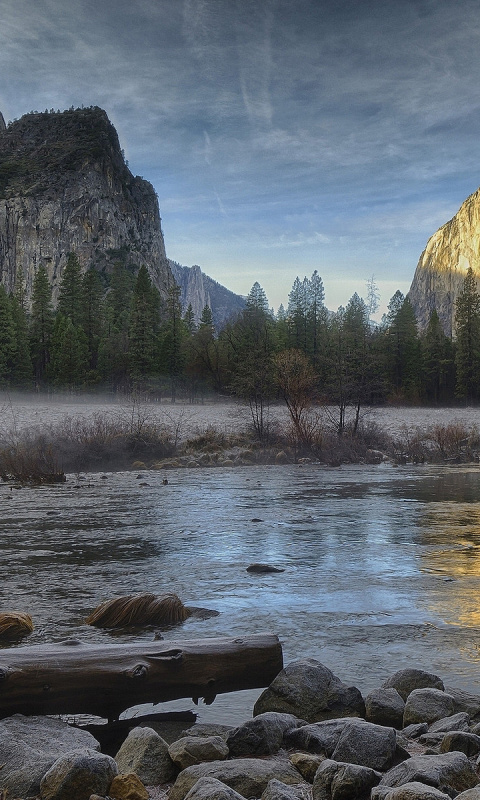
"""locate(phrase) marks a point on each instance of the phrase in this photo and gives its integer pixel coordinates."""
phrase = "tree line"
(117, 332)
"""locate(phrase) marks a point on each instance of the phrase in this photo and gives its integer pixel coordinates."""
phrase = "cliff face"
(443, 264)
(64, 186)
(199, 290)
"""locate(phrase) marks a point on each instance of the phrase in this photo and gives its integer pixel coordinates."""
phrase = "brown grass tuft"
(14, 624)
(139, 609)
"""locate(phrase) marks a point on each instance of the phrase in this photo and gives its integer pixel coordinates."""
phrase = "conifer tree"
(7, 337)
(70, 290)
(438, 362)
(41, 323)
(173, 350)
(467, 329)
(91, 316)
(69, 354)
(189, 320)
(144, 328)
(22, 370)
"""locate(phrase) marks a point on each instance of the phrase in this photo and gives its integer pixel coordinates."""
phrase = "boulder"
(145, 753)
(78, 775)
(457, 722)
(466, 701)
(30, 745)
(414, 731)
(307, 764)
(262, 735)
(470, 794)
(464, 742)
(409, 791)
(319, 737)
(276, 790)
(406, 680)
(337, 781)
(127, 787)
(196, 749)
(427, 705)
(208, 729)
(449, 772)
(309, 690)
(247, 776)
(366, 744)
(212, 789)
(385, 707)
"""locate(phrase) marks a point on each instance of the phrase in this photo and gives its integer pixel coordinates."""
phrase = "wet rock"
(127, 787)
(468, 743)
(449, 772)
(276, 790)
(385, 707)
(457, 722)
(212, 789)
(409, 791)
(318, 737)
(145, 753)
(406, 680)
(197, 749)
(30, 745)
(309, 690)
(427, 705)
(78, 775)
(307, 764)
(366, 744)
(263, 568)
(262, 735)
(247, 776)
(337, 781)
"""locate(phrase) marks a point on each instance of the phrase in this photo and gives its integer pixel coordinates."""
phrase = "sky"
(281, 136)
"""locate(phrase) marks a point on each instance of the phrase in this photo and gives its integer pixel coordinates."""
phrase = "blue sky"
(281, 137)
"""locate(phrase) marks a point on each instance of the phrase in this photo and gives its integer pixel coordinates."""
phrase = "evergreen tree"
(438, 362)
(70, 291)
(189, 320)
(69, 354)
(41, 323)
(144, 328)
(7, 337)
(467, 328)
(297, 314)
(403, 349)
(257, 299)
(22, 370)
(173, 341)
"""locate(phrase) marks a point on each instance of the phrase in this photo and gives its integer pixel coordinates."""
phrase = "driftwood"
(76, 678)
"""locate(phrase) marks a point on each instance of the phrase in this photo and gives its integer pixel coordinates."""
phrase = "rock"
(414, 731)
(427, 705)
(145, 753)
(309, 690)
(30, 745)
(127, 787)
(470, 794)
(385, 707)
(197, 749)
(319, 737)
(199, 290)
(281, 457)
(409, 791)
(337, 781)
(468, 743)
(406, 680)
(262, 735)
(248, 776)
(447, 772)
(373, 457)
(208, 729)
(307, 764)
(467, 702)
(212, 789)
(457, 722)
(276, 790)
(78, 775)
(263, 568)
(366, 744)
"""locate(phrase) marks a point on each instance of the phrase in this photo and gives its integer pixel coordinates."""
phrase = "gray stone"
(385, 707)
(409, 791)
(447, 772)
(406, 680)
(276, 790)
(208, 729)
(414, 731)
(427, 705)
(248, 776)
(338, 781)
(470, 794)
(30, 745)
(466, 701)
(366, 744)
(146, 753)
(212, 789)
(309, 690)
(262, 735)
(319, 737)
(307, 764)
(197, 749)
(468, 743)
(457, 722)
(78, 775)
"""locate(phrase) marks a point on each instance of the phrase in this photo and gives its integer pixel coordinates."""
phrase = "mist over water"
(382, 564)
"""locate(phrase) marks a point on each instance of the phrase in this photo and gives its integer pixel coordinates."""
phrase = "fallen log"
(77, 678)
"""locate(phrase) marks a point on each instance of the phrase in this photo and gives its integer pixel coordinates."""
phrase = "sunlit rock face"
(443, 265)
(65, 187)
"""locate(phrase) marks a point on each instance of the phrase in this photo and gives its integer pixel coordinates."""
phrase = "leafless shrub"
(30, 462)
(15, 624)
(140, 609)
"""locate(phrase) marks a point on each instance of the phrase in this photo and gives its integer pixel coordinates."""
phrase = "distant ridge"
(200, 290)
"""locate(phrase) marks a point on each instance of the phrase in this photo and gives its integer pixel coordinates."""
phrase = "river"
(382, 563)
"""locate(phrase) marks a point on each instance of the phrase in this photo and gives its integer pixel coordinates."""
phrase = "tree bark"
(76, 678)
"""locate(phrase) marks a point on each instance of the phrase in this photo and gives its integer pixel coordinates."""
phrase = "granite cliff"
(200, 290)
(65, 186)
(443, 265)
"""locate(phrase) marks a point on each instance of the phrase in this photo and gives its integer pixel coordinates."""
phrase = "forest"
(117, 333)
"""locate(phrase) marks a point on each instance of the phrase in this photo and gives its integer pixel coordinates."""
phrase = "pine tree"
(22, 370)
(7, 337)
(91, 316)
(41, 323)
(467, 328)
(70, 291)
(69, 354)
(173, 341)
(438, 363)
(404, 356)
(144, 328)
(189, 320)
(297, 314)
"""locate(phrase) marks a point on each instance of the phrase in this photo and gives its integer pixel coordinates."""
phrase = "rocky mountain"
(65, 186)
(200, 290)
(443, 264)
